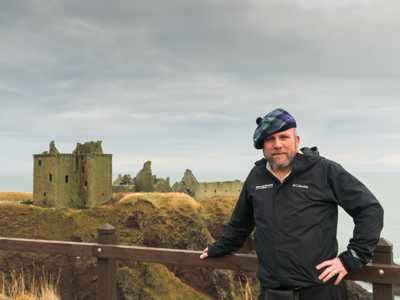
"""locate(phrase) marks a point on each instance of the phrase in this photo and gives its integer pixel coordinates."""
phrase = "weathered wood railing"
(382, 273)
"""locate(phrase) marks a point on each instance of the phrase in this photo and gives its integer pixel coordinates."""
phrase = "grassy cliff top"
(166, 220)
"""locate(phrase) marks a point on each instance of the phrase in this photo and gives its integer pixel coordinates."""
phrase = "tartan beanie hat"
(273, 122)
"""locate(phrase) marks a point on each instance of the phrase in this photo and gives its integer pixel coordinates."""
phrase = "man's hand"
(332, 267)
(204, 255)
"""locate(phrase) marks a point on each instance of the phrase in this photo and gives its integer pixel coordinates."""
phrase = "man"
(291, 197)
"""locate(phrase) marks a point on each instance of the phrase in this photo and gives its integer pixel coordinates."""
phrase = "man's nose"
(277, 144)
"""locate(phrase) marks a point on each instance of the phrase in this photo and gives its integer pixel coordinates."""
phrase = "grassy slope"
(161, 220)
(216, 212)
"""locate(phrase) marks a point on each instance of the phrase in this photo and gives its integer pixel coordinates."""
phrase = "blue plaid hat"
(273, 122)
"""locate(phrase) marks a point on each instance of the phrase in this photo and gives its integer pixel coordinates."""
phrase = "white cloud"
(182, 84)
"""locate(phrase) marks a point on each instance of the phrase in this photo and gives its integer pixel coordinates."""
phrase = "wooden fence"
(382, 273)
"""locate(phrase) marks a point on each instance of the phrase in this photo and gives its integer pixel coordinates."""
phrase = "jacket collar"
(301, 162)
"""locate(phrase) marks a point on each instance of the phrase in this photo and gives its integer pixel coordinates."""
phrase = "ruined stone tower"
(79, 179)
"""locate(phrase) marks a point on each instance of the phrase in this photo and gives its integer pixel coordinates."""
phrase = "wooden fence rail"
(382, 272)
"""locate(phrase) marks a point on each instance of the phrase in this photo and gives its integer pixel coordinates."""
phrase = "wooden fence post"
(106, 267)
(383, 255)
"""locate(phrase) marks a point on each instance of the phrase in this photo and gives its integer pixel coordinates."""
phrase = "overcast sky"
(181, 83)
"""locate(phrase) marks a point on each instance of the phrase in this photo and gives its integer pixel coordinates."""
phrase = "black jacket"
(296, 221)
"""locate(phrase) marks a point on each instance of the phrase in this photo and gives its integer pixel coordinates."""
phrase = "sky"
(181, 83)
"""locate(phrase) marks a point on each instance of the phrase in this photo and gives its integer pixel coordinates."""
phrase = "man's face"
(280, 148)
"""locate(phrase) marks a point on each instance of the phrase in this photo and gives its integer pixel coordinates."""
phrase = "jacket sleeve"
(238, 229)
(366, 212)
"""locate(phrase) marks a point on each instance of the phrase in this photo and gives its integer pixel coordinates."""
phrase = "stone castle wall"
(145, 181)
(46, 174)
(127, 188)
(100, 179)
(80, 179)
(224, 188)
(200, 190)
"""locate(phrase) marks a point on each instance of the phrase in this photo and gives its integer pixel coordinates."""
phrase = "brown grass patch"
(222, 205)
(173, 201)
(15, 196)
(246, 289)
(18, 289)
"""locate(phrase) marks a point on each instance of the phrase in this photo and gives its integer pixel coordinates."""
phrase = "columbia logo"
(301, 186)
(265, 186)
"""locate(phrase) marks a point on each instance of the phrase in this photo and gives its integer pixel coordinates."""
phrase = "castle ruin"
(144, 181)
(201, 190)
(79, 179)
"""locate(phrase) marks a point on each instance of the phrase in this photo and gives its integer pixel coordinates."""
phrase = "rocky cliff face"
(168, 220)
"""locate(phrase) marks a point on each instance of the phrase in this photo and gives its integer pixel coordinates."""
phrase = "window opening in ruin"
(85, 182)
(39, 162)
(215, 191)
(44, 194)
(50, 177)
(66, 178)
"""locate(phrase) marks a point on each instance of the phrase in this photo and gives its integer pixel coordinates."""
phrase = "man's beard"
(281, 166)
